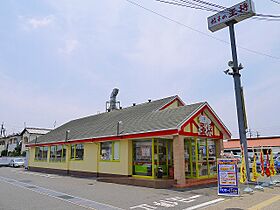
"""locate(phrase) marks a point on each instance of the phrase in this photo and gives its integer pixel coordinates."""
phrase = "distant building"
(270, 142)
(30, 134)
(10, 142)
(3, 144)
(13, 141)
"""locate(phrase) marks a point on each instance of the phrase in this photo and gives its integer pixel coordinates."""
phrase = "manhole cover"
(65, 197)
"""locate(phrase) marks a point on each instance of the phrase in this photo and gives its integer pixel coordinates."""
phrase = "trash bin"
(159, 172)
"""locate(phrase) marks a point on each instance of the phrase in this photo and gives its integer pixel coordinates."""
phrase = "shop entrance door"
(200, 157)
(143, 158)
(152, 158)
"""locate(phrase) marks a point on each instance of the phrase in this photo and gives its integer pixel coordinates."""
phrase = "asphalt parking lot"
(30, 190)
(22, 190)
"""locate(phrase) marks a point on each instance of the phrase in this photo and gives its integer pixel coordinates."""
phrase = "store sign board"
(227, 177)
(235, 13)
(205, 127)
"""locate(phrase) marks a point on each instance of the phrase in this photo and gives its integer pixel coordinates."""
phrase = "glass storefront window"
(152, 158)
(162, 156)
(72, 151)
(142, 160)
(77, 152)
(52, 153)
(200, 157)
(193, 157)
(212, 157)
(110, 151)
(187, 158)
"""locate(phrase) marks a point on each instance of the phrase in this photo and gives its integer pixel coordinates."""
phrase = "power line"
(193, 5)
(203, 4)
(210, 4)
(266, 19)
(269, 16)
(200, 32)
(277, 2)
(176, 3)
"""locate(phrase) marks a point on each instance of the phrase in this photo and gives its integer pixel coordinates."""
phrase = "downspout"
(67, 158)
(97, 159)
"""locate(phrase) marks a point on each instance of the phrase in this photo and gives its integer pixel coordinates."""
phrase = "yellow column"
(179, 159)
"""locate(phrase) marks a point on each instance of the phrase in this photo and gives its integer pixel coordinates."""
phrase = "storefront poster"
(227, 177)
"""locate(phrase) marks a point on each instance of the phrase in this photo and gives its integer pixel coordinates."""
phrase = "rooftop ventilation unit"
(113, 104)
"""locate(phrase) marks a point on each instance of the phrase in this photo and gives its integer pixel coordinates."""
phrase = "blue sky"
(60, 60)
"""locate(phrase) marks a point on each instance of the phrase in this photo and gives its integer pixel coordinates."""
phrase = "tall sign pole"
(227, 18)
(238, 97)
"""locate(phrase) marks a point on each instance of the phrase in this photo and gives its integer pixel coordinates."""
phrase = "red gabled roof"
(224, 129)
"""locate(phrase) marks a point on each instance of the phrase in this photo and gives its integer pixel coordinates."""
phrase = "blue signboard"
(227, 177)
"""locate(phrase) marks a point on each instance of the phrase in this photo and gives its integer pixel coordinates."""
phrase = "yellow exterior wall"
(121, 167)
(44, 164)
(90, 163)
(195, 130)
(187, 128)
(216, 131)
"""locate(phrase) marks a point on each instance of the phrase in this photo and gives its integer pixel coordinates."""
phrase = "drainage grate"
(67, 197)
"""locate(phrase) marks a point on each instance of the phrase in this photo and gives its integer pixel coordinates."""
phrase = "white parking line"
(166, 202)
(37, 174)
(205, 204)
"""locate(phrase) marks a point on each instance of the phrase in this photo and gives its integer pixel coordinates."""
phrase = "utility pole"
(250, 133)
(3, 130)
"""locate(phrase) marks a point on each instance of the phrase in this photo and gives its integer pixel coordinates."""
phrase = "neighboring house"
(161, 138)
(3, 144)
(13, 141)
(30, 134)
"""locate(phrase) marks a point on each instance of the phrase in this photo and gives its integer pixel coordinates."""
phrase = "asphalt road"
(25, 190)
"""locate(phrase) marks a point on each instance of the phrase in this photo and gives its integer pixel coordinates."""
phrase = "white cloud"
(69, 47)
(36, 22)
